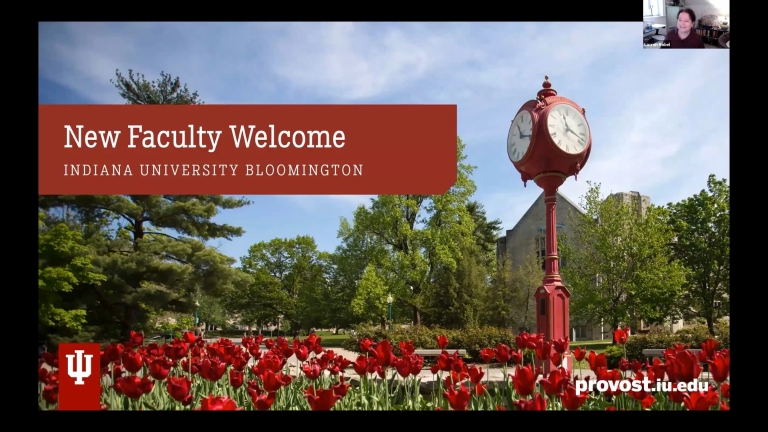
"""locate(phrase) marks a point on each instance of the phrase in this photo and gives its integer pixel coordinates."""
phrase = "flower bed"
(188, 374)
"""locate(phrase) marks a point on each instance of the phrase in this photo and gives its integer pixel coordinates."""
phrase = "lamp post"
(389, 302)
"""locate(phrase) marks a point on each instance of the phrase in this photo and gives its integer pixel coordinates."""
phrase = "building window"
(653, 8)
(541, 251)
(581, 332)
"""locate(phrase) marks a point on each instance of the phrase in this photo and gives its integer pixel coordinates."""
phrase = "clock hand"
(524, 136)
(519, 132)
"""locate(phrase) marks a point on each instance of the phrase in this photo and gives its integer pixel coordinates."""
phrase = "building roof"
(560, 196)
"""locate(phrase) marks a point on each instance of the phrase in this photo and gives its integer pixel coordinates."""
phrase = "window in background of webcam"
(653, 8)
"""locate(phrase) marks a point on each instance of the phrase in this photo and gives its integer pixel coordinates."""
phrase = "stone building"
(527, 236)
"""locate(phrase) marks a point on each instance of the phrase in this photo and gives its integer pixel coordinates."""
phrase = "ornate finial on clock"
(547, 90)
(584, 112)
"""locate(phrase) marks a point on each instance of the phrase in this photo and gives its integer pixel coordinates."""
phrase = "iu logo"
(80, 383)
(79, 373)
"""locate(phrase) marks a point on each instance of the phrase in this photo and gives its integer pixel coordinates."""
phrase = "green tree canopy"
(63, 263)
(619, 269)
(702, 227)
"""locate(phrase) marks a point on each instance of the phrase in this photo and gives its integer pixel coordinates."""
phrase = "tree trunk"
(710, 325)
(614, 327)
(383, 323)
(416, 316)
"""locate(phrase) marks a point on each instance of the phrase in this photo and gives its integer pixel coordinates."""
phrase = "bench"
(437, 352)
(660, 352)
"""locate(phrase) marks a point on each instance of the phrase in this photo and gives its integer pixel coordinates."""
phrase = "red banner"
(79, 376)
(246, 149)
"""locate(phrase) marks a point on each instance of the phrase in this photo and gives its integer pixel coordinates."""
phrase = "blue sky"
(659, 118)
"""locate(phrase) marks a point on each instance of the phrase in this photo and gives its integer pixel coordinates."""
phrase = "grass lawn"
(331, 340)
(597, 346)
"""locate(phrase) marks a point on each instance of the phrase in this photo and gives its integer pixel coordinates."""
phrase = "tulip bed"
(190, 374)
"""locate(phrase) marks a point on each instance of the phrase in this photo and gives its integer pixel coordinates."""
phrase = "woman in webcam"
(684, 36)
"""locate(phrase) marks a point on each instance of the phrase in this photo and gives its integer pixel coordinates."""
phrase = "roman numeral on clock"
(554, 134)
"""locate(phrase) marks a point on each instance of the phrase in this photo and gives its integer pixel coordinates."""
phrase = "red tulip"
(406, 348)
(312, 371)
(137, 338)
(384, 355)
(321, 399)
(561, 345)
(624, 365)
(160, 367)
(620, 335)
(720, 367)
(262, 401)
(189, 337)
(178, 389)
(340, 388)
(442, 342)
(557, 359)
(543, 349)
(488, 355)
(701, 401)
(236, 378)
(524, 380)
(683, 367)
(275, 381)
(212, 369)
(476, 374)
(709, 347)
(218, 403)
(537, 403)
(523, 341)
(133, 386)
(724, 407)
(502, 354)
(572, 401)
(51, 359)
(597, 361)
(556, 382)
(366, 345)
(51, 393)
(458, 400)
(579, 354)
(112, 352)
(725, 390)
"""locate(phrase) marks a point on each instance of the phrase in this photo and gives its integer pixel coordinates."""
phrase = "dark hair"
(690, 12)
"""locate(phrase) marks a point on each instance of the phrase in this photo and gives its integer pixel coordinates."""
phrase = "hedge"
(474, 340)
(692, 337)
(471, 340)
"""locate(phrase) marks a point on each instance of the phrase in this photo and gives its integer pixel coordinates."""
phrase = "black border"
(617, 11)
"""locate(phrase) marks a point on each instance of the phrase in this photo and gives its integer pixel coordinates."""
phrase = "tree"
(155, 259)
(151, 250)
(421, 234)
(702, 227)
(288, 274)
(526, 278)
(63, 263)
(213, 310)
(370, 301)
(498, 300)
(137, 90)
(619, 268)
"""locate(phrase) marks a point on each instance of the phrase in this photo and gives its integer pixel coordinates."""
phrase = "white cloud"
(318, 202)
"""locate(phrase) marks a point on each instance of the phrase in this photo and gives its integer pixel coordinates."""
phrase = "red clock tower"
(550, 140)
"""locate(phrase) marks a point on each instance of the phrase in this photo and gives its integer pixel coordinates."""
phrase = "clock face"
(519, 137)
(568, 128)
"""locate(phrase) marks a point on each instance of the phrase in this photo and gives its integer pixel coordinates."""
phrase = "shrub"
(693, 337)
(614, 354)
(471, 340)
